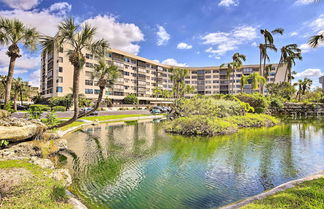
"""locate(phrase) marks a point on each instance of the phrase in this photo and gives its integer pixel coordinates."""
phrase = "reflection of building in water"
(146, 135)
(124, 136)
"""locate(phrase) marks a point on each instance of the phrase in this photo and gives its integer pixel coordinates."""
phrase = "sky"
(178, 32)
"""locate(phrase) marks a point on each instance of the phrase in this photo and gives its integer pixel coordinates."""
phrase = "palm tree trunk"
(21, 97)
(76, 78)
(95, 107)
(9, 78)
(286, 72)
(15, 101)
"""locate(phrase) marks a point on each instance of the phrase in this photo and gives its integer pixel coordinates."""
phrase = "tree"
(283, 89)
(157, 91)
(243, 82)
(131, 99)
(12, 33)
(17, 85)
(303, 86)
(288, 51)
(229, 70)
(77, 39)
(238, 60)
(256, 80)
(107, 76)
(316, 40)
(178, 80)
(268, 44)
(290, 62)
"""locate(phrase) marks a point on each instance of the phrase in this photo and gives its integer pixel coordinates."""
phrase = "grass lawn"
(75, 123)
(309, 194)
(110, 117)
(36, 191)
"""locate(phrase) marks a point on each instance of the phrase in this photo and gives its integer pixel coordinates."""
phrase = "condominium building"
(321, 80)
(139, 76)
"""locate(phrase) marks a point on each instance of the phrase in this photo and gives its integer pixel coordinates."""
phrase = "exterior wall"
(139, 76)
(321, 80)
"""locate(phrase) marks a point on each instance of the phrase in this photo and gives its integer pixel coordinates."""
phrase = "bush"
(65, 101)
(51, 119)
(256, 100)
(200, 125)
(59, 108)
(204, 105)
(59, 194)
(253, 120)
(34, 113)
(130, 99)
(276, 103)
(39, 107)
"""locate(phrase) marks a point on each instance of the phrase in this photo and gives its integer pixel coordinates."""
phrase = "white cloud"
(304, 2)
(4, 71)
(24, 62)
(21, 4)
(45, 21)
(312, 73)
(293, 33)
(34, 78)
(162, 36)
(183, 45)
(60, 8)
(318, 24)
(174, 62)
(228, 41)
(228, 3)
(157, 61)
(122, 36)
(254, 44)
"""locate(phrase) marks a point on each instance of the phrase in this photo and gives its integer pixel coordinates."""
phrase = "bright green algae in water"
(140, 166)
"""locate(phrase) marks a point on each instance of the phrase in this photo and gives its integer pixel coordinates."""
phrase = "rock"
(49, 136)
(20, 151)
(62, 144)
(10, 177)
(14, 129)
(76, 203)
(43, 163)
(4, 114)
(62, 175)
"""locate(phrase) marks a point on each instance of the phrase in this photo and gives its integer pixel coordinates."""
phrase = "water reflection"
(140, 166)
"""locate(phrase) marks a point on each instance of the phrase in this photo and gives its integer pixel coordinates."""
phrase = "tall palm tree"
(77, 38)
(238, 60)
(107, 76)
(290, 62)
(256, 80)
(229, 70)
(290, 50)
(18, 84)
(12, 33)
(178, 80)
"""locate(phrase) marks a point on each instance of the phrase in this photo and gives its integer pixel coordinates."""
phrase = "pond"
(139, 166)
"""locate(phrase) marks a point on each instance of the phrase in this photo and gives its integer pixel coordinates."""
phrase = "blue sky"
(181, 32)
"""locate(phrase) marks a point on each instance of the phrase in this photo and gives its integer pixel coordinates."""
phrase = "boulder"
(15, 129)
(20, 151)
(4, 114)
(11, 177)
(43, 163)
(62, 175)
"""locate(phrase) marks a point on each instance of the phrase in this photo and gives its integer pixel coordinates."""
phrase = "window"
(61, 49)
(89, 82)
(89, 56)
(60, 59)
(90, 65)
(96, 91)
(59, 89)
(59, 79)
(60, 70)
(126, 73)
(89, 91)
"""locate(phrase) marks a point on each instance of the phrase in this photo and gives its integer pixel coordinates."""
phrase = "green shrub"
(59, 194)
(59, 108)
(51, 119)
(259, 102)
(40, 107)
(276, 103)
(200, 125)
(253, 120)
(34, 113)
(4, 143)
(130, 99)
(204, 105)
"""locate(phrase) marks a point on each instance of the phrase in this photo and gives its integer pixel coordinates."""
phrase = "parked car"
(160, 109)
(87, 109)
(22, 107)
(155, 111)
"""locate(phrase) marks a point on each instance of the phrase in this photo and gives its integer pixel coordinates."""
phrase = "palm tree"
(17, 84)
(178, 80)
(77, 38)
(107, 76)
(290, 50)
(157, 91)
(290, 62)
(256, 80)
(12, 33)
(229, 71)
(238, 60)
(303, 86)
(243, 82)
(316, 40)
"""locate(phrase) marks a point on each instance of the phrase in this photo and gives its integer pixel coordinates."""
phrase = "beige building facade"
(138, 76)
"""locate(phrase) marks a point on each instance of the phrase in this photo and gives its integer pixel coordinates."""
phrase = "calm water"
(140, 166)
